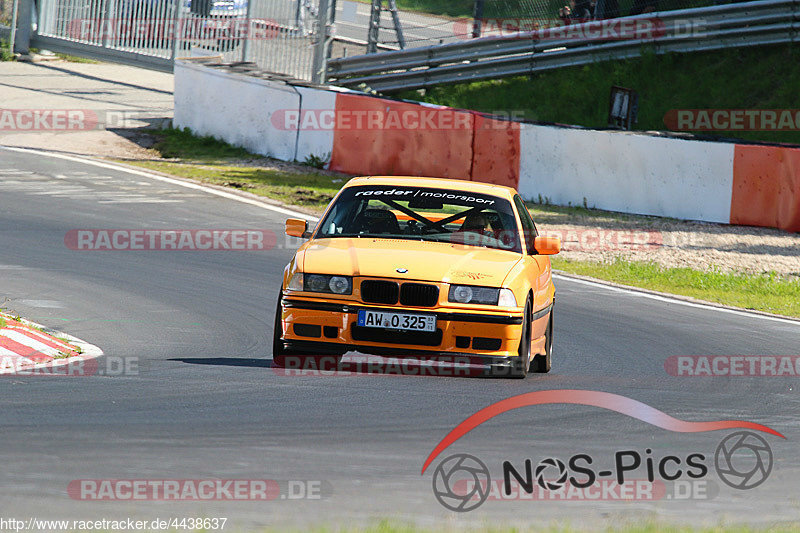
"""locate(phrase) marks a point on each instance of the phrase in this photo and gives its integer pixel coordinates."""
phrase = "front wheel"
(542, 363)
(521, 363)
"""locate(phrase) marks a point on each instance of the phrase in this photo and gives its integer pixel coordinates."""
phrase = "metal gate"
(290, 37)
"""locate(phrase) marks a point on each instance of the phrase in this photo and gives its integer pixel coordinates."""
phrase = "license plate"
(390, 320)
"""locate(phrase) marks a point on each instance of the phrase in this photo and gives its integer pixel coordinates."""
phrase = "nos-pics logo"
(461, 482)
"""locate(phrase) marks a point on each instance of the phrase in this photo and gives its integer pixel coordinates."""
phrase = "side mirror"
(547, 245)
(296, 227)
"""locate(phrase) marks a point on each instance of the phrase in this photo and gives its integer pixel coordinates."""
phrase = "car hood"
(425, 261)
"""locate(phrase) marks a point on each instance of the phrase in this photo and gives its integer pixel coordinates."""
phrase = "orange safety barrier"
(374, 136)
(766, 187)
(496, 151)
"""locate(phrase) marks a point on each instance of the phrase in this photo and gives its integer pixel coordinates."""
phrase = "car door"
(537, 267)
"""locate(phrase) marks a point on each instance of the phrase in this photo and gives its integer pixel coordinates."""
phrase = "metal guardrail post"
(248, 24)
(298, 16)
(14, 10)
(373, 32)
(320, 64)
(600, 9)
(106, 24)
(477, 19)
(22, 35)
(398, 28)
(177, 30)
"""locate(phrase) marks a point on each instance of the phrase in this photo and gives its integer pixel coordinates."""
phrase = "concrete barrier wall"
(235, 108)
(627, 172)
(495, 151)
(399, 138)
(315, 141)
(766, 187)
(618, 171)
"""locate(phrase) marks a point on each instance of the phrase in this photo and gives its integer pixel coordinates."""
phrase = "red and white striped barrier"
(25, 350)
(618, 171)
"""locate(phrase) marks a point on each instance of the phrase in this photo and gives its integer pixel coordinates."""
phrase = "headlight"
(339, 285)
(325, 283)
(464, 294)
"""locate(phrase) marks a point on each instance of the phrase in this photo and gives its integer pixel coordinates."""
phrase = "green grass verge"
(544, 214)
(76, 59)
(769, 293)
(314, 191)
(757, 78)
(5, 53)
(215, 162)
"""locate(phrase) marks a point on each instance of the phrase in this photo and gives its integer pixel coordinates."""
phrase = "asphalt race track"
(206, 404)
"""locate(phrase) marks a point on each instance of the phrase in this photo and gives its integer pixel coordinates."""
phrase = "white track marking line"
(164, 179)
(310, 218)
(678, 301)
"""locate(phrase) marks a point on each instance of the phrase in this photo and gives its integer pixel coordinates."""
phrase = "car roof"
(441, 183)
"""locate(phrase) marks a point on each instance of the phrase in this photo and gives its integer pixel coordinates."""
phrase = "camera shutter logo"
(743, 460)
(551, 484)
(462, 468)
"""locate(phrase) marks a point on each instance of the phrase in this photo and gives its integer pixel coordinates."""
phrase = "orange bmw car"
(409, 266)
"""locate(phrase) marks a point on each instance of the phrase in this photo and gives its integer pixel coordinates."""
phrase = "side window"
(528, 227)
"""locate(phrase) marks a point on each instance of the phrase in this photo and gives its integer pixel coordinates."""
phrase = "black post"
(477, 15)
(22, 36)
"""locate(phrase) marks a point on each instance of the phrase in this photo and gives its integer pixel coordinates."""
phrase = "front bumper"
(326, 326)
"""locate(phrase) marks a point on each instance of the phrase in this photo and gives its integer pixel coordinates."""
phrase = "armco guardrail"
(732, 25)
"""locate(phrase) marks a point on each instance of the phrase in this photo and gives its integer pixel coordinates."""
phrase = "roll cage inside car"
(426, 212)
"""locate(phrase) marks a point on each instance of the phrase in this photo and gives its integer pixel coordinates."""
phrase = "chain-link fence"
(280, 36)
(429, 22)
(6, 7)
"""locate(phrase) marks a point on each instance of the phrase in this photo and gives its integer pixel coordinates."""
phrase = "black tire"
(520, 365)
(541, 364)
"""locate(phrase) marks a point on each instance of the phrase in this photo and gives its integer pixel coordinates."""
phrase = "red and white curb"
(27, 348)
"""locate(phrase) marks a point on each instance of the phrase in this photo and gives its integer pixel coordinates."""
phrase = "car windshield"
(425, 214)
